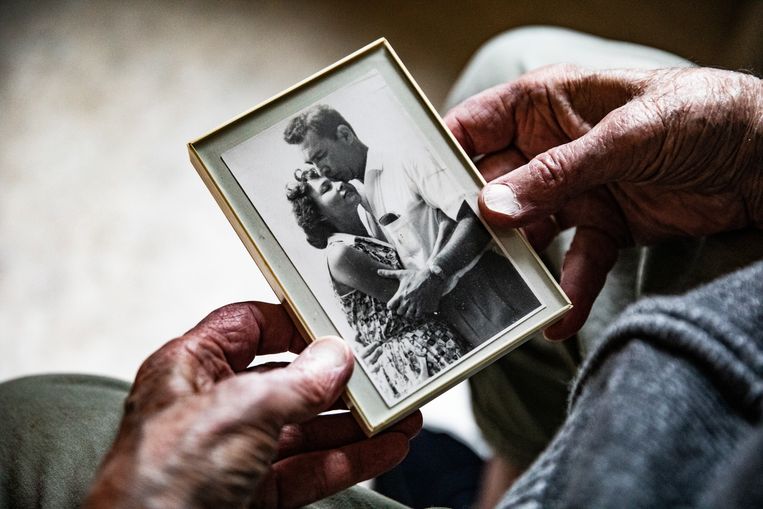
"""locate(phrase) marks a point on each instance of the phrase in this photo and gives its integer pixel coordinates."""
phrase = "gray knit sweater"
(667, 412)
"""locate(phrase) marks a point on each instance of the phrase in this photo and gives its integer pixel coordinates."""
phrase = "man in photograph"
(448, 264)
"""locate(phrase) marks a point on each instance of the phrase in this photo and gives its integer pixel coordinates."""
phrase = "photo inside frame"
(400, 213)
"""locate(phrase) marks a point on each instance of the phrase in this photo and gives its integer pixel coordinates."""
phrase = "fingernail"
(500, 198)
(328, 354)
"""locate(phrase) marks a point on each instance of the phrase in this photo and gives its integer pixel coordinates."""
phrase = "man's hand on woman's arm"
(625, 156)
(201, 431)
(421, 289)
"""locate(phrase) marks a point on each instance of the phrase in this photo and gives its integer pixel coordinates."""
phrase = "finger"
(591, 256)
(223, 343)
(484, 123)
(412, 311)
(233, 334)
(308, 386)
(331, 431)
(239, 327)
(396, 300)
(323, 473)
(609, 152)
(339, 404)
(489, 121)
(323, 432)
(402, 307)
(496, 165)
(391, 274)
(540, 233)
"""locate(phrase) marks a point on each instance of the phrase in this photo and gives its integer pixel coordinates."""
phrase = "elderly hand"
(625, 156)
(200, 431)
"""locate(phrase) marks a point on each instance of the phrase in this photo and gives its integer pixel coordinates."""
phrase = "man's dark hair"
(316, 226)
(321, 118)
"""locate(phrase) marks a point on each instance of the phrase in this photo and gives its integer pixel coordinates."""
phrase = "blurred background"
(109, 242)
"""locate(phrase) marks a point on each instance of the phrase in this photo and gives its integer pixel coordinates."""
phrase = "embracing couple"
(416, 273)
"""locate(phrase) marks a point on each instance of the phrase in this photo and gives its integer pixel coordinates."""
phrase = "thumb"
(549, 180)
(298, 392)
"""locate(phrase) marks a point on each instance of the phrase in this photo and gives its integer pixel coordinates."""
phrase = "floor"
(109, 243)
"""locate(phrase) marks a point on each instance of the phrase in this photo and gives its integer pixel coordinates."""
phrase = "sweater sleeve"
(718, 326)
(662, 407)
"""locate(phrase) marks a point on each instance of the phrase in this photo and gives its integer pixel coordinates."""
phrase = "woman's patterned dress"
(397, 353)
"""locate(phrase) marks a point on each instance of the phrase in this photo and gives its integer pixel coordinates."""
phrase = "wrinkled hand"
(200, 431)
(625, 156)
(419, 292)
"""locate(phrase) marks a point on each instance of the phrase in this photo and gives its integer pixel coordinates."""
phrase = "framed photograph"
(360, 208)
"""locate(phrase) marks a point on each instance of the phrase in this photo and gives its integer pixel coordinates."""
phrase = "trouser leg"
(54, 430)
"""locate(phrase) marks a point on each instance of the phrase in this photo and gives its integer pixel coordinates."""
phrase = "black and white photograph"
(383, 235)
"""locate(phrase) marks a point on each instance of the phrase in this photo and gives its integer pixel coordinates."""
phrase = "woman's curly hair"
(316, 226)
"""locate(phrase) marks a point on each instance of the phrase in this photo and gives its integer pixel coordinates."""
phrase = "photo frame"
(360, 208)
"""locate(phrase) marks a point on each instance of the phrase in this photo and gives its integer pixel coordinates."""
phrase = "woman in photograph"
(399, 352)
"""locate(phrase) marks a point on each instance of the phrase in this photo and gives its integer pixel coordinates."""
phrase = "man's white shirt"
(420, 192)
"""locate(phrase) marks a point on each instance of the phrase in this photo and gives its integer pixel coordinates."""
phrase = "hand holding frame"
(624, 156)
(200, 431)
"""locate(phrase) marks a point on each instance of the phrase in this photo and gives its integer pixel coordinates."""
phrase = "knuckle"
(233, 316)
(480, 122)
(460, 121)
(642, 137)
(549, 170)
